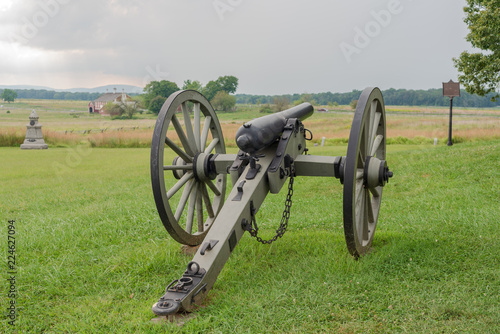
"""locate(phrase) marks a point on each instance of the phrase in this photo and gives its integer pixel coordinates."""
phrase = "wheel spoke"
(365, 139)
(359, 193)
(361, 159)
(369, 208)
(196, 111)
(213, 187)
(212, 145)
(375, 192)
(359, 174)
(182, 136)
(184, 156)
(376, 144)
(362, 146)
(191, 210)
(185, 196)
(370, 120)
(376, 203)
(199, 209)
(360, 214)
(364, 217)
(186, 177)
(374, 126)
(187, 123)
(204, 133)
(206, 200)
(180, 167)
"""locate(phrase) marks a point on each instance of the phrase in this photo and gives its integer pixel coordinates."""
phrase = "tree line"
(43, 94)
(430, 97)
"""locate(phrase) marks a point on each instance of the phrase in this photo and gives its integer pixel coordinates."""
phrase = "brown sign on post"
(451, 89)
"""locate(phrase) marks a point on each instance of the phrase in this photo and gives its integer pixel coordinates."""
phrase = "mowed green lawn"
(92, 255)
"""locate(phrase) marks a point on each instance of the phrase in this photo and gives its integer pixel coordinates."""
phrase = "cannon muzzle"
(261, 132)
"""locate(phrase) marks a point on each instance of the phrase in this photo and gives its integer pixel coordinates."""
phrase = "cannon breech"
(261, 132)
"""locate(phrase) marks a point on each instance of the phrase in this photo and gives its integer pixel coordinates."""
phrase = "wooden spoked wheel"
(187, 133)
(365, 172)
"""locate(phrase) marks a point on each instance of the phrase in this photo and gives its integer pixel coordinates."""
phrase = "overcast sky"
(272, 46)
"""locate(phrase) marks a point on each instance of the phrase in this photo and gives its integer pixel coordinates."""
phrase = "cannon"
(190, 189)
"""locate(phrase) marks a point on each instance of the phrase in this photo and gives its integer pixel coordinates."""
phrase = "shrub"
(266, 108)
(223, 101)
(280, 103)
(120, 111)
(354, 104)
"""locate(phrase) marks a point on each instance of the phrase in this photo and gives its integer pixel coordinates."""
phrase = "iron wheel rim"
(361, 206)
(198, 195)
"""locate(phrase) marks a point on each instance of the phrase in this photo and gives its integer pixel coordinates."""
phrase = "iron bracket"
(208, 246)
(239, 195)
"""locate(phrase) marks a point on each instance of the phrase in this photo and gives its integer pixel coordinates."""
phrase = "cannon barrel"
(261, 132)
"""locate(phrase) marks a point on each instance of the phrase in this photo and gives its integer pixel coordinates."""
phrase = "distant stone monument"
(34, 138)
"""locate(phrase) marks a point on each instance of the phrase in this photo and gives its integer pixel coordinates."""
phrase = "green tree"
(223, 101)
(211, 89)
(227, 83)
(194, 85)
(480, 72)
(162, 88)
(9, 95)
(156, 104)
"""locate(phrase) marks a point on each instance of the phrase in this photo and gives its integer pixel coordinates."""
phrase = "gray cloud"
(272, 46)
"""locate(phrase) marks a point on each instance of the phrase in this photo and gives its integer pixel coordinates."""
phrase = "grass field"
(92, 255)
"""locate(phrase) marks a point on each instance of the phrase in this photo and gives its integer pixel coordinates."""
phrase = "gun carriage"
(194, 208)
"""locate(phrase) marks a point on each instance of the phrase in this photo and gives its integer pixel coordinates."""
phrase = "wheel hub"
(376, 173)
(179, 162)
(204, 167)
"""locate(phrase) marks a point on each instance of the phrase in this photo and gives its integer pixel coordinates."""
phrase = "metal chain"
(253, 229)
